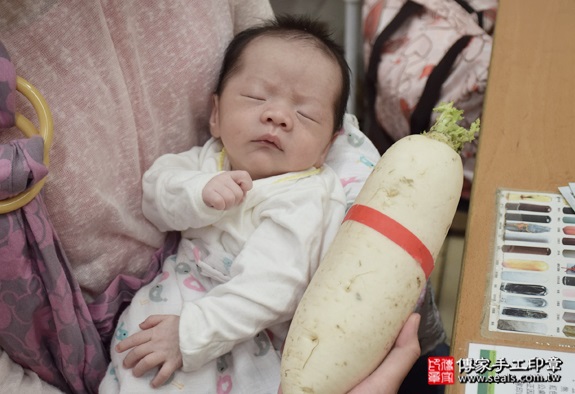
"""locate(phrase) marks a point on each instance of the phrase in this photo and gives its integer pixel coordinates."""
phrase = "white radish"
(370, 279)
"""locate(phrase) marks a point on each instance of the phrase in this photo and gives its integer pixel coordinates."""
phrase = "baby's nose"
(279, 117)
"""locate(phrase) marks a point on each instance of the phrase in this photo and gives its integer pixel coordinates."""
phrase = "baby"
(256, 208)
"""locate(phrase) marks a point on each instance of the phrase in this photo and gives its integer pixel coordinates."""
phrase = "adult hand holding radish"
(369, 281)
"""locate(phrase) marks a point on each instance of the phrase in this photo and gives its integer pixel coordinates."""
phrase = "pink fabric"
(45, 323)
(126, 82)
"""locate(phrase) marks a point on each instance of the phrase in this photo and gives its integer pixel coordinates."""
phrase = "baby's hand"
(156, 346)
(227, 190)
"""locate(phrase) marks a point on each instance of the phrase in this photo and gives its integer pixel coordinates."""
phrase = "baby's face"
(276, 114)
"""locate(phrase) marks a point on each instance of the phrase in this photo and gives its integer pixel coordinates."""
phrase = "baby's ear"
(215, 117)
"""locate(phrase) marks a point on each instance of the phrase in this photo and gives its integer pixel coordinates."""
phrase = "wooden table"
(527, 142)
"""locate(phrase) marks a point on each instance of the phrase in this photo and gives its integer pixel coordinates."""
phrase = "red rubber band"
(395, 232)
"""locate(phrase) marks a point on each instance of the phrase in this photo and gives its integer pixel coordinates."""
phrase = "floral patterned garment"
(45, 323)
(43, 317)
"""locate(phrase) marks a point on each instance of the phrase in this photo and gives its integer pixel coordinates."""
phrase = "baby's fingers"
(242, 179)
(132, 341)
(147, 363)
(225, 194)
(226, 190)
(222, 199)
(164, 374)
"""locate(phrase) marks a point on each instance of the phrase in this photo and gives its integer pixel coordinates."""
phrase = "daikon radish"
(371, 277)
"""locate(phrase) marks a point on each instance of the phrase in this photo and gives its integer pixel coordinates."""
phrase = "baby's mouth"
(270, 140)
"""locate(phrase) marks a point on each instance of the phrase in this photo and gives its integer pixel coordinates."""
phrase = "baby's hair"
(290, 27)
